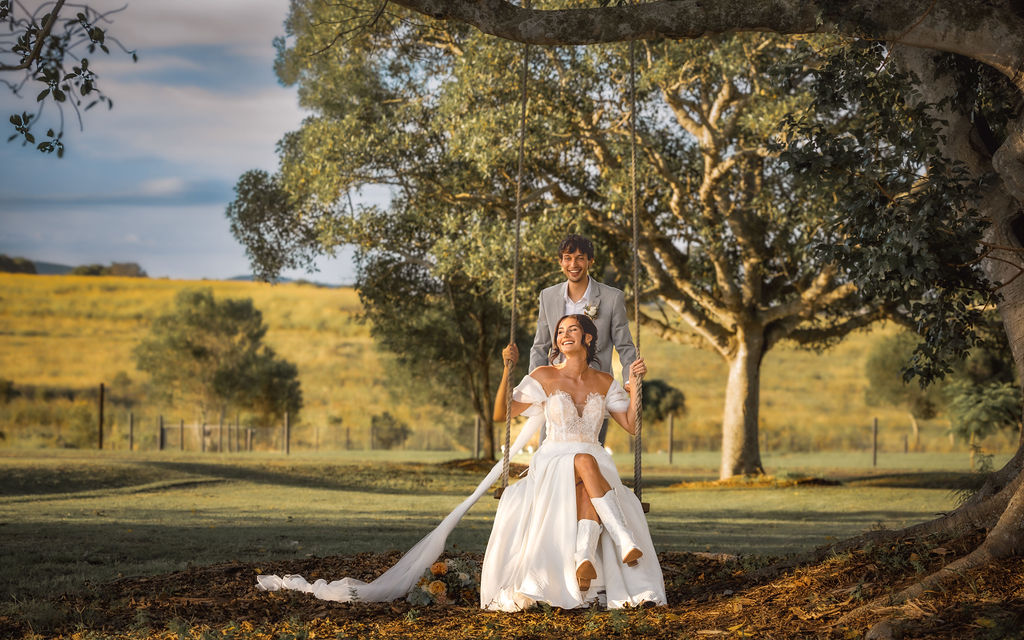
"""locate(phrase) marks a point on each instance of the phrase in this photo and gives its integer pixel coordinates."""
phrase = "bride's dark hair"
(589, 328)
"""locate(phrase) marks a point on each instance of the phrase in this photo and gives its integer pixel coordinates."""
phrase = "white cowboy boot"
(610, 512)
(588, 532)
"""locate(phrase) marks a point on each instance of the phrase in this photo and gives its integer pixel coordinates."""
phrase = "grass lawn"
(111, 544)
(68, 517)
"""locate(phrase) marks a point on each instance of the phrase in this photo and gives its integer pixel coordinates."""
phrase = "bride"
(546, 544)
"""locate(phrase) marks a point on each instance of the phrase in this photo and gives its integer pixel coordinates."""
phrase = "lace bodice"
(565, 422)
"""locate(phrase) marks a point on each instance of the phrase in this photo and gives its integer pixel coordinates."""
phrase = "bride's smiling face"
(570, 336)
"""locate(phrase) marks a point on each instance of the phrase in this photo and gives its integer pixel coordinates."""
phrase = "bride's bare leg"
(584, 507)
(588, 471)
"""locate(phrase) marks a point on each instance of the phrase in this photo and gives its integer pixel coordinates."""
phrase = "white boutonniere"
(590, 310)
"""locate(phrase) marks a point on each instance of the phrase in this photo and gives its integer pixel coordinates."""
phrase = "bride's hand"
(511, 352)
(637, 370)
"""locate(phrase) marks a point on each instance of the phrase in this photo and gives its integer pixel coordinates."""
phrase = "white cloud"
(162, 187)
(202, 129)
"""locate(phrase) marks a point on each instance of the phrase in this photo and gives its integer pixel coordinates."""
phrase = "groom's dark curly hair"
(573, 242)
(589, 328)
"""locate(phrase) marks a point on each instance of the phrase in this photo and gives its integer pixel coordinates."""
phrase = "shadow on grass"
(951, 480)
(161, 475)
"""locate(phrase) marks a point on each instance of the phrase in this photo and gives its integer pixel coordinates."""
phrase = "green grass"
(72, 518)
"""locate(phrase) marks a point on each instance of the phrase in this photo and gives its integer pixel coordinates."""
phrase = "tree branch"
(994, 35)
(41, 37)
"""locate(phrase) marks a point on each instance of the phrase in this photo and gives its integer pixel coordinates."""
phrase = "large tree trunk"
(741, 454)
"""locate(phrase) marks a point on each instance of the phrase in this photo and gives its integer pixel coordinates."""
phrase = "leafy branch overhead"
(46, 51)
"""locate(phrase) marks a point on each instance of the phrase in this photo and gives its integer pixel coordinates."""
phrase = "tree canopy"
(211, 352)
(734, 211)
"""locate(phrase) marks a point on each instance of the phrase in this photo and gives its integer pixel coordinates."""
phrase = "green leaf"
(16, 120)
(58, 95)
(42, 94)
(30, 138)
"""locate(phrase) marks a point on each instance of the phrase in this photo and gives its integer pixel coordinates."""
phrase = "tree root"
(1005, 539)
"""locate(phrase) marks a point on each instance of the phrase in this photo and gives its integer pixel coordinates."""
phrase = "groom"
(580, 293)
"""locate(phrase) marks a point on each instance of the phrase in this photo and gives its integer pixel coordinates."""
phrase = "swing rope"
(515, 265)
(638, 417)
(638, 487)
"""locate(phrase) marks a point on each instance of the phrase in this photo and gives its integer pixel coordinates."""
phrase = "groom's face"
(575, 266)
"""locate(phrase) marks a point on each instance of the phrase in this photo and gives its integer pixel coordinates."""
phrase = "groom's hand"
(510, 354)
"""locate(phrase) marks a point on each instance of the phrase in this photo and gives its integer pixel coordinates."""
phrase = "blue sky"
(148, 181)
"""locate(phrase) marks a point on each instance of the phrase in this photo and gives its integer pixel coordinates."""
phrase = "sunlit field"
(74, 332)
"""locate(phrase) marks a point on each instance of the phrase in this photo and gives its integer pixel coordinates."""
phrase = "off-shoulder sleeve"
(530, 391)
(617, 398)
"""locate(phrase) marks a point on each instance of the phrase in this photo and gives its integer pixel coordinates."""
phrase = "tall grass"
(74, 332)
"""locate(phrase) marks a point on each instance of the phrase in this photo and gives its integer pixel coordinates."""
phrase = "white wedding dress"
(529, 555)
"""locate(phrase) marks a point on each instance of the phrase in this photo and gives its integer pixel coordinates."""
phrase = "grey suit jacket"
(611, 320)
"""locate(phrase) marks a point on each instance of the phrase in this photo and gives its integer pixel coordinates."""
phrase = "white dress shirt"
(577, 307)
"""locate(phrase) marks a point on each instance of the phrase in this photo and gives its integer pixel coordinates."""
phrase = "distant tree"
(980, 396)
(984, 395)
(123, 269)
(887, 384)
(662, 400)
(42, 51)
(270, 387)
(211, 352)
(444, 328)
(126, 270)
(388, 431)
(88, 270)
(16, 265)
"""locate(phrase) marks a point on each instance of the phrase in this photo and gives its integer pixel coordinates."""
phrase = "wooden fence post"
(874, 444)
(160, 436)
(202, 436)
(220, 433)
(348, 438)
(476, 438)
(287, 435)
(101, 417)
(131, 431)
(671, 435)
